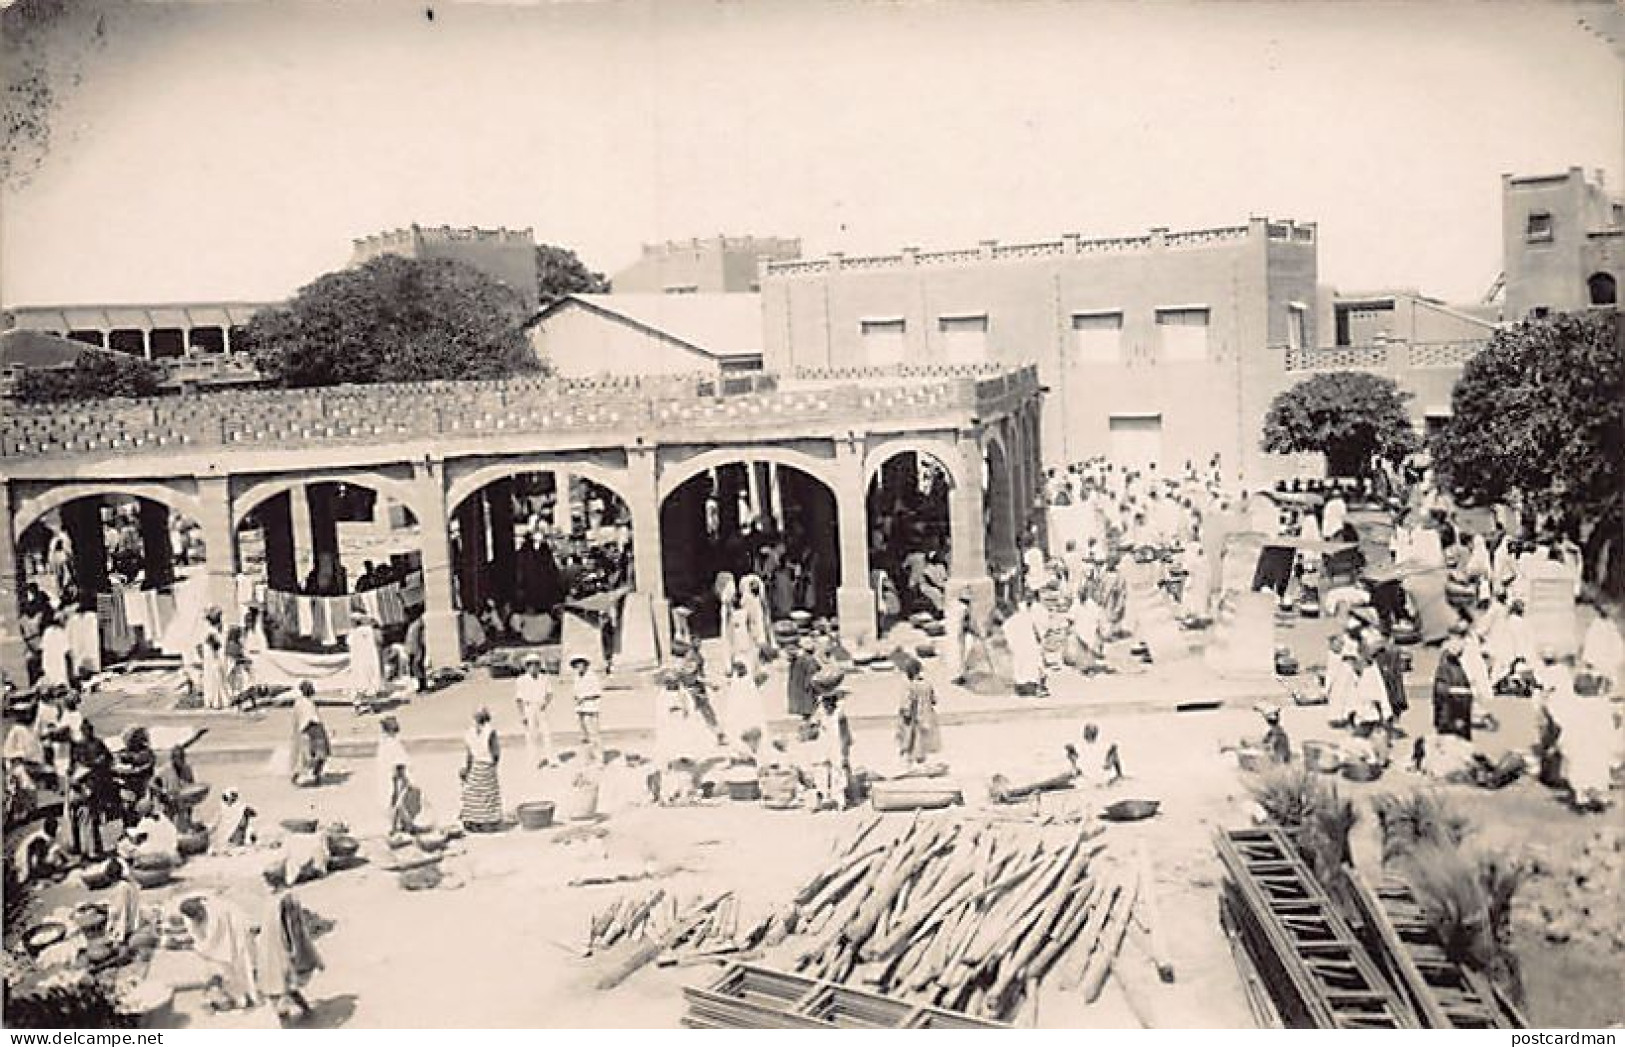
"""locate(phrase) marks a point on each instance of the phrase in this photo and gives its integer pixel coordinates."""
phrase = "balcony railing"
(595, 408)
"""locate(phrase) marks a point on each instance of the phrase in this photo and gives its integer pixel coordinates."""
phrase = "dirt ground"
(503, 948)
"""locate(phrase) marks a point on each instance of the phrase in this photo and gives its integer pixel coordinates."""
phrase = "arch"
(30, 510)
(616, 481)
(673, 477)
(259, 493)
(944, 452)
(1602, 289)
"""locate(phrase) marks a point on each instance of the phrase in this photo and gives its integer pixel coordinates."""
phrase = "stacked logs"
(678, 933)
(962, 915)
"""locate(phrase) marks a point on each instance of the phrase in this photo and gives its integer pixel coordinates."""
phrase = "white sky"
(232, 150)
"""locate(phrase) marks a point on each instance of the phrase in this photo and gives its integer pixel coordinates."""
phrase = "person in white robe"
(1086, 618)
(1476, 667)
(1588, 738)
(366, 665)
(1022, 634)
(1198, 588)
(1602, 651)
(744, 715)
(54, 661)
(1334, 516)
(214, 670)
(1340, 679)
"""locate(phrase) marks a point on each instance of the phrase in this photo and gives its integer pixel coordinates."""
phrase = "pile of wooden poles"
(677, 932)
(963, 915)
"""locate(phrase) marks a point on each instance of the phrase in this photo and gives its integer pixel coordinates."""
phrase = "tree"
(93, 375)
(559, 272)
(1348, 416)
(1538, 418)
(393, 319)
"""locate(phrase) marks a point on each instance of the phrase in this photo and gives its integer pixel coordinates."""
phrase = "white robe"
(1603, 650)
(742, 708)
(1478, 671)
(1334, 517)
(54, 656)
(952, 648)
(366, 670)
(1026, 650)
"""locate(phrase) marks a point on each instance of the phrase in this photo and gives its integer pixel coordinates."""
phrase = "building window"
(128, 340)
(882, 341)
(1097, 338)
(1603, 289)
(1297, 325)
(1539, 227)
(1183, 331)
(682, 289)
(1540, 312)
(964, 337)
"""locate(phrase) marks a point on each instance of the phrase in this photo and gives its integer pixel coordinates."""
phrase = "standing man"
(589, 690)
(1453, 689)
(417, 653)
(1391, 663)
(533, 693)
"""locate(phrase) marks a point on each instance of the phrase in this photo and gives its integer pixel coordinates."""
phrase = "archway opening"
(742, 518)
(122, 576)
(1603, 289)
(529, 546)
(909, 547)
(313, 557)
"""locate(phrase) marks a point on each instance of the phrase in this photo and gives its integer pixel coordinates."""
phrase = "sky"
(232, 150)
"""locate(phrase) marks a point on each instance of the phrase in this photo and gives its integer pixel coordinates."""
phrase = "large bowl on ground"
(1130, 810)
(299, 825)
(150, 877)
(42, 936)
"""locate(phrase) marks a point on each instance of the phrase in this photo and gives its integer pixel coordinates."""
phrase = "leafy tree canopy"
(559, 272)
(94, 375)
(1349, 416)
(1539, 416)
(393, 319)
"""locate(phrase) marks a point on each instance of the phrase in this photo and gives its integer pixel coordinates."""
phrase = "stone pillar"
(158, 555)
(499, 510)
(324, 528)
(648, 572)
(13, 652)
(82, 519)
(220, 554)
(439, 616)
(561, 502)
(276, 524)
(854, 600)
(967, 531)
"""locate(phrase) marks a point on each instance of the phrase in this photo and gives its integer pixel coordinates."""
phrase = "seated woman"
(153, 837)
(233, 825)
(222, 936)
(302, 856)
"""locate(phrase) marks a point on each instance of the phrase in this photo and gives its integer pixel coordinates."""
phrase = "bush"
(95, 375)
(1411, 820)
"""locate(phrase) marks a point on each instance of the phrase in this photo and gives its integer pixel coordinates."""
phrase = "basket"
(150, 877)
(192, 795)
(342, 846)
(582, 802)
(537, 814)
(1323, 757)
(299, 825)
(745, 789)
(152, 862)
(95, 877)
(432, 842)
(925, 650)
(194, 842)
(1360, 771)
